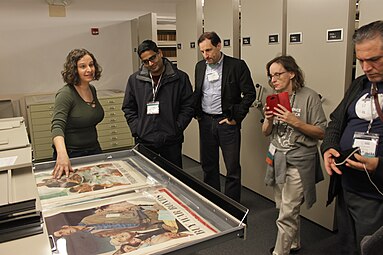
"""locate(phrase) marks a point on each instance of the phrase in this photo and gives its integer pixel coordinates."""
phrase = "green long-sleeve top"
(75, 119)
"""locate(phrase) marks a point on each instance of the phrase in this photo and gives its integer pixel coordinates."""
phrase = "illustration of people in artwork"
(84, 179)
(114, 228)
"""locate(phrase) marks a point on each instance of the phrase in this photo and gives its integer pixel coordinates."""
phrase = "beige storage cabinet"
(113, 131)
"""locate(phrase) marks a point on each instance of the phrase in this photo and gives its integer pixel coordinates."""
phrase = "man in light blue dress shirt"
(224, 91)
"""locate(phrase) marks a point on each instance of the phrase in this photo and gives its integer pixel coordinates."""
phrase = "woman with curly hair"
(77, 111)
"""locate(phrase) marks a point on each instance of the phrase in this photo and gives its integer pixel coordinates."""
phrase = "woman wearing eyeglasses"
(293, 160)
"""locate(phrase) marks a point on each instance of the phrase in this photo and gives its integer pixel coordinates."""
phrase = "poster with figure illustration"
(145, 222)
(86, 181)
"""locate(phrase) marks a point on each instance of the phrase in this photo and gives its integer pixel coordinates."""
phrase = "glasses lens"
(276, 75)
(151, 59)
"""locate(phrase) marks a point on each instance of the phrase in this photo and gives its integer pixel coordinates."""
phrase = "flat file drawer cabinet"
(113, 131)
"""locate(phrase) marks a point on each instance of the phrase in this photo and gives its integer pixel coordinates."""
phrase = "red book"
(282, 98)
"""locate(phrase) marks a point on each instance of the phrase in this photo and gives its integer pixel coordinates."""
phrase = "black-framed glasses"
(276, 75)
(150, 59)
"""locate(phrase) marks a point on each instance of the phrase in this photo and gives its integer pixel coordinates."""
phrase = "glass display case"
(134, 202)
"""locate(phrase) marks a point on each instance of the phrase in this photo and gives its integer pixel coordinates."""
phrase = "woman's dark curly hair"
(70, 73)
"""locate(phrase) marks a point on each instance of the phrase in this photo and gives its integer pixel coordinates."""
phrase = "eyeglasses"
(276, 75)
(151, 59)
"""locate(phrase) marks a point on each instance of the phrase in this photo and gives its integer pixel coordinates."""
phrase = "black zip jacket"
(175, 106)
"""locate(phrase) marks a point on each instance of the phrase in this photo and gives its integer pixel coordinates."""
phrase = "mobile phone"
(272, 101)
(282, 98)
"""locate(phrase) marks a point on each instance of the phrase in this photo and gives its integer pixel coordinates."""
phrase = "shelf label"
(295, 37)
(335, 35)
(273, 38)
(246, 40)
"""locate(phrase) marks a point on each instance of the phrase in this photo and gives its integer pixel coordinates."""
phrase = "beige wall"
(257, 54)
(189, 28)
(33, 46)
(222, 16)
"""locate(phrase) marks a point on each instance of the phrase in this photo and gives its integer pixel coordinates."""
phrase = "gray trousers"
(288, 198)
(357, 217)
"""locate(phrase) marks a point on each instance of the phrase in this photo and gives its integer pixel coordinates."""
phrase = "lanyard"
(292, 100)
(280, 134)
(372, 108)
(154, 87)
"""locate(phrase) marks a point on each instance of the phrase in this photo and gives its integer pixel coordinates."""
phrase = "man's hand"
(369, 163)
(329, 162)
(229, 122)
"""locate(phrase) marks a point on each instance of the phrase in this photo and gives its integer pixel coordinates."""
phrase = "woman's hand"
(62, 166)
(282, 114)
(269, 114)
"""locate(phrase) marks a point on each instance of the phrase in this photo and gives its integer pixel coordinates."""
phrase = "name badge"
(270, 155)
(213, 76)
(153, 107)
(367, 142)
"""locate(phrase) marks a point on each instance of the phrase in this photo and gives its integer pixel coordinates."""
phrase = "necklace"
(82, 93)
(92, 103)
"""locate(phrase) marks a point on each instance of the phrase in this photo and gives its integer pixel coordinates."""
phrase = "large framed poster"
(139, 223)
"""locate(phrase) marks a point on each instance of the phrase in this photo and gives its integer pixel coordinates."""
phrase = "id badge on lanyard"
(270, 155)
(153, 107)
(367, 142)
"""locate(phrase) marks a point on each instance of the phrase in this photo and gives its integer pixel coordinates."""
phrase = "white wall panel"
(147, 27)
(189, 28)
(222, 16)
(254, 16)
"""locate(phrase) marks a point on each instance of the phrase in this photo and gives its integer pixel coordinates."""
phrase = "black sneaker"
(292, 251)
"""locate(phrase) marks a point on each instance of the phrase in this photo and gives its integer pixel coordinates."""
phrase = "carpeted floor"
(261, 231)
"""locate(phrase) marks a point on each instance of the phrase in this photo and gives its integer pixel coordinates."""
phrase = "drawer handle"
(115, 143)
(51, 107)
(112, 114)
(113, 126)
(110, 101)
(114, 138)
(112, 108)
(114, 132)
